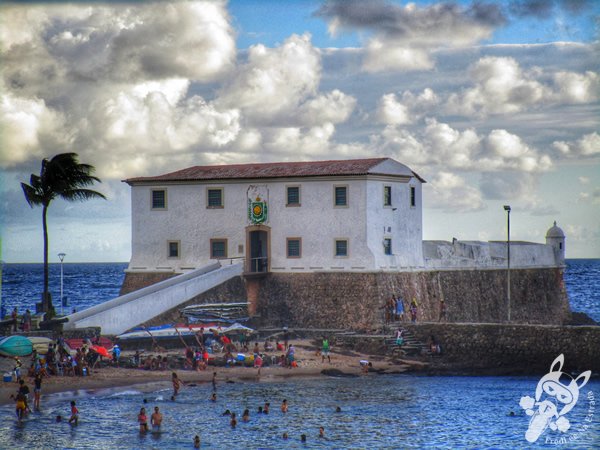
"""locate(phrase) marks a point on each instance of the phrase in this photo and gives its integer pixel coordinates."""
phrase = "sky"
(492, 103)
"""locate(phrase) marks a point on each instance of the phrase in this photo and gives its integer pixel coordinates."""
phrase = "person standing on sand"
(143, 420)
(37, 391)
(286, 337)
(156, 420)
(325, 350)
(442, 311)
(214, 381)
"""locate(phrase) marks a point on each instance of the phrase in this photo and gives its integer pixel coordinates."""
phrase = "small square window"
(293, 196)
(413, 196)
(341, 195)
(173, 249)
(387, 196)
(214, 198)
(218, 248)
(387, 246)
(294, 247)
(341, 247)
(159, 199)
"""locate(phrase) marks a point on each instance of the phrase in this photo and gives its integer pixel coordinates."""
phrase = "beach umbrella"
(15, 346)
(100, 350)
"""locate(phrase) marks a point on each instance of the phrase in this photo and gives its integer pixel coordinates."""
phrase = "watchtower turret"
(556, 238)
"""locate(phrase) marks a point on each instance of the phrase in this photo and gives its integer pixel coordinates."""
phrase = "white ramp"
(127, 311)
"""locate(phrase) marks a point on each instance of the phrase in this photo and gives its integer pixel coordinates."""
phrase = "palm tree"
(62, 176)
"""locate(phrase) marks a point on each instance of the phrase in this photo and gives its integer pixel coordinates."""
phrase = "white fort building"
(351, 215)
(318, 244)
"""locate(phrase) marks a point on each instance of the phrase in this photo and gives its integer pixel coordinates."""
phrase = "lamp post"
(61, 257)
(507, 209)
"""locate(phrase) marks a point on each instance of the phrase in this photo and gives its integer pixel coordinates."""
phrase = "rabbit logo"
(555, 395)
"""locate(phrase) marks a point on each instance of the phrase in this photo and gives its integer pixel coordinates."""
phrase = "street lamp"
(61, 257)
(507, 209)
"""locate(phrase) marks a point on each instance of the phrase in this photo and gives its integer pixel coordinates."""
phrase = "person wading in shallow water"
(156, 420)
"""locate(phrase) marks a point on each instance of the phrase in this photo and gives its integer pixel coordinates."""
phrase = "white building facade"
(353, 215)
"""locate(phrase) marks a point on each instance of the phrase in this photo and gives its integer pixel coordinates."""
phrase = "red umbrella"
(100, 350)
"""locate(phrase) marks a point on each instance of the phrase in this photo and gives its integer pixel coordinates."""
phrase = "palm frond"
(73, 195)
(32, 195)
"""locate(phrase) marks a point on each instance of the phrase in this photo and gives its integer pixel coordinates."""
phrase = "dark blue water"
(89, 284)
(377, 412)
(84, 285)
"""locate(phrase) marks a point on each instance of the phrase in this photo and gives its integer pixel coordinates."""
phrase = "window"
(293, 196)
(413, 196)
(341, 247)
(173, 249)
(387, 246)
(218, 248)
(340, 196)
(214, 198)
(387, 196)
(159, 199)
(294, 247)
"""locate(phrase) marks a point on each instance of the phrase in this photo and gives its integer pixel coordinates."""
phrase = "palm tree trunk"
(46, 299)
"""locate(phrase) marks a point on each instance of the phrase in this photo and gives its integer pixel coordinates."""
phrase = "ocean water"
(377, 412)
(403, 411)
(89, 284)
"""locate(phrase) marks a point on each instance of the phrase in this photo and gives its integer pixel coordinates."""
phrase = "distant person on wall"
(27, 321)
(14, 316)
(413, 310)
(442, 310)
(399, 308)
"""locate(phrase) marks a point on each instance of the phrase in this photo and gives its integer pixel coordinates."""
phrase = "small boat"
(176, 330)
(40, 344)
(15, 346)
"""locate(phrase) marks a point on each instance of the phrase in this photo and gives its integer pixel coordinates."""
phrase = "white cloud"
(274, 81)
(587, 146)
(405, 34)
(501, 86)
(332, 107)
(28, 126)
(392, 112)
(451, 193)
(584, 180)
(440, 144)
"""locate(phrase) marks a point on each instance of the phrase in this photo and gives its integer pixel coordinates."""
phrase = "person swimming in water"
(233, 421)
(246, 416)
(284, 406)
(143, 420)
(196, 441)
(156, 420)
(321, 432)
(302, 438)
(266, 408)
(176, 384)
(74, 419)
(213, 397)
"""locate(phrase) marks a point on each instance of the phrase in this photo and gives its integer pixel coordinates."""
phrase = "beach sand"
(109, 377)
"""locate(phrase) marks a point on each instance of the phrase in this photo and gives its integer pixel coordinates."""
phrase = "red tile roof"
(268, 170)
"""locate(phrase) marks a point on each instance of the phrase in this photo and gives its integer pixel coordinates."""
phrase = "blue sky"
(491, 102)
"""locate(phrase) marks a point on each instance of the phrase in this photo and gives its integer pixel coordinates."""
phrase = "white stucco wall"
(316, 221)
(476, 254)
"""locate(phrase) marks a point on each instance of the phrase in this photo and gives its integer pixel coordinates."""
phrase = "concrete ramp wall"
(127, 311)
